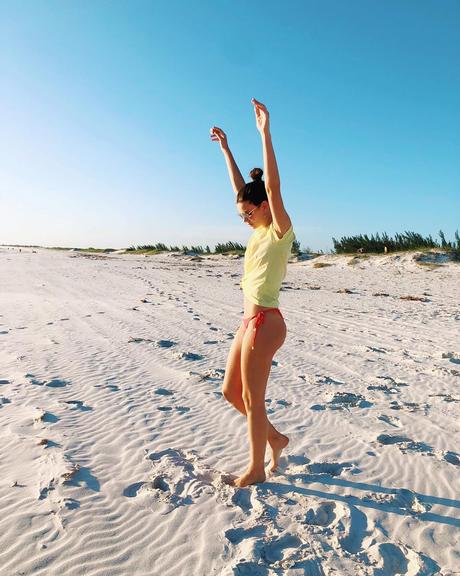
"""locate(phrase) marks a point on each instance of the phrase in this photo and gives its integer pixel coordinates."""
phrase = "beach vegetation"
(158, 247)
(230, 248)
(406, 241)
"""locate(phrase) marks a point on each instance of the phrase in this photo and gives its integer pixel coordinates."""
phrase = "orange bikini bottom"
(260, 317)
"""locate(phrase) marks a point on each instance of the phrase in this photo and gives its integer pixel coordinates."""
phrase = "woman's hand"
(218, 135)
(262, 116)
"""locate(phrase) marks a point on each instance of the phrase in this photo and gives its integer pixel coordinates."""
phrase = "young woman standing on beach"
(249, 361)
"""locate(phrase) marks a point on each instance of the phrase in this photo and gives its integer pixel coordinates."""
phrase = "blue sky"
(106, 108)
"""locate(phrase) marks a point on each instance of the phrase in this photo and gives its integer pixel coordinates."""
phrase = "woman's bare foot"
(249, 477)
(277, 445)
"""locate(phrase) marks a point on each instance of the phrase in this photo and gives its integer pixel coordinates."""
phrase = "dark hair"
(254, 191)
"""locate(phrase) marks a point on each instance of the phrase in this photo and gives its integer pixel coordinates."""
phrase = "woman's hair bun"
(256, 174)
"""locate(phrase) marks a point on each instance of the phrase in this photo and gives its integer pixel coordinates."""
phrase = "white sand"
(140, 440)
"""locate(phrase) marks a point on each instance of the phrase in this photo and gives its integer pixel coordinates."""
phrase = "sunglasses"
(245, 215)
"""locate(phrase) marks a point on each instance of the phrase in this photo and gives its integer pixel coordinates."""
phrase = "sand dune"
(118, 445)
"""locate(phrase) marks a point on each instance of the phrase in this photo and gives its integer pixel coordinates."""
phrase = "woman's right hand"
(218, 135)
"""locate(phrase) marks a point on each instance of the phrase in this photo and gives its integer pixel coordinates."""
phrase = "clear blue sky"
(106, 108)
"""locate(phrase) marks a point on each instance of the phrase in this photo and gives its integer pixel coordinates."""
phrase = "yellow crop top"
(265, 265)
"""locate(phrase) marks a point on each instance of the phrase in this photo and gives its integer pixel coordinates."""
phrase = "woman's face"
(255, 216)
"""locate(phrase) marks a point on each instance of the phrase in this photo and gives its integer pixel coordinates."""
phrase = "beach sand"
(117, 444)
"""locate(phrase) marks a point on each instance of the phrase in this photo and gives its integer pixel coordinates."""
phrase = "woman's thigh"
(232, 386)
(256, 364)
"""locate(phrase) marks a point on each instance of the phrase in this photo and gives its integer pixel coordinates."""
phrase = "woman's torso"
(265, 266)
(251, 309)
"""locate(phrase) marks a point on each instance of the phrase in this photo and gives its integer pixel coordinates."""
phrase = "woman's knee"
(229, 395)
(253, 402)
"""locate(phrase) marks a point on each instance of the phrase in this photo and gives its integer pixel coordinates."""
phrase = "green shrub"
(405, 241)
(233, 247)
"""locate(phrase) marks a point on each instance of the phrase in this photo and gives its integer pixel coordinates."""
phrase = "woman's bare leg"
(233, 389)
(276, 440)
(255, 370)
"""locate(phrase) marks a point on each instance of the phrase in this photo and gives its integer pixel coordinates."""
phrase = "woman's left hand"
(262, 116)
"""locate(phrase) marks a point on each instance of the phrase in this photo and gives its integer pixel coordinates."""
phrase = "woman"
(250, 358)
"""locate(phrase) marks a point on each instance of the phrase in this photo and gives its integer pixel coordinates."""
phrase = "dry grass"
(357, 259)
(321, 265)
(417, 298)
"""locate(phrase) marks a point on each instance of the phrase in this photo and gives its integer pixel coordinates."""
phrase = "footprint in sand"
(283, 403)
(112, 387)
(391, 558)
(452, 458)
(328, 468)
(164, 392)
(81, 476)
(46, 417)
(301, 467)
(392, 381)
(237, 535)
(189, 356)
(452, 356)
(344, 400)
(392, 420)
(405, 444)
(47, 443)
(405, 500)
(4, 401)
(384, 388)
(328, 380)
(54, 383)
(132, 490)
(278, 549)
(139, 340)
(215, 375)
(378, 350)
(178, 480)
(165, 343)
(78, 405)
(445, 397)
(409, 406)
(323, 514)
(57, 383)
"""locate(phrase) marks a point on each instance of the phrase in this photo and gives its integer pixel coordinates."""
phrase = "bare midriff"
(251, 309)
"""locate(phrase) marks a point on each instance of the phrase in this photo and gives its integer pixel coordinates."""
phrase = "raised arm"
(236, 178)
(281, 220)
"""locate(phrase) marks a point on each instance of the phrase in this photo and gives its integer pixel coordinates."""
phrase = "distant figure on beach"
(260, 205)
